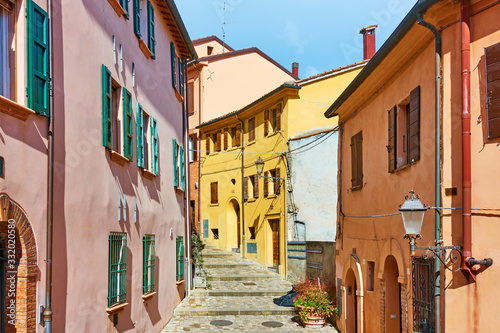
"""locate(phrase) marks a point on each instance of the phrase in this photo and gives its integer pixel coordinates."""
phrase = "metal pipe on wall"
(242, 210)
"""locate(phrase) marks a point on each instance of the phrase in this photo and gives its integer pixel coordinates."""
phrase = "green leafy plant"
(197, 254)
(315, 297)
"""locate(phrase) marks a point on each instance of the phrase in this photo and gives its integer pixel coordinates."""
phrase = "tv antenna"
(223, 25)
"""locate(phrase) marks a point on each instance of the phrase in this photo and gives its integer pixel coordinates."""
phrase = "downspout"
(437, 167)
(198, 143)
(242, 187)
(47, 311)
(187, 241)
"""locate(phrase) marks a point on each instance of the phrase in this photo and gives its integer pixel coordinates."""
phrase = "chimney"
(295, 69)
(369, 48)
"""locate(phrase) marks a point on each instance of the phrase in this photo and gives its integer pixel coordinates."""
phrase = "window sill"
(145, 49)
(272, 133)
(179, 96)
(272, 196)
(117, 157)
(116, 308)
(251, 199)
(233, 148)
(214, 204)
(148, 174)
(403, 167)
(190, 113)
(356, 188)
(148, 295)
(179, 283)
(13, 109)
(117, 7)
(251, 143)
(179, 190)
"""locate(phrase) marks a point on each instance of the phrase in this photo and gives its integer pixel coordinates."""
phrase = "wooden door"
(275, 231)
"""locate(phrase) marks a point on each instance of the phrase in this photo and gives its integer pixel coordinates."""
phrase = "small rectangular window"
(215, 232)
(492, 58)
(154, 146)
(370, 275)
(149, 269)
(357, 160)
(7, 20)
(124, 4)
(128, 139)
(191, 148)
(117, 278)
(137, 18)
(251, 129)
(151, 29)
(190, 99)
(2, 167)
(180, 259)
(252, 232)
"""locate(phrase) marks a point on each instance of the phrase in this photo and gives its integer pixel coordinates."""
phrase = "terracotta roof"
(290, 84)
(202, 40)
(247, 51)
(340, 69)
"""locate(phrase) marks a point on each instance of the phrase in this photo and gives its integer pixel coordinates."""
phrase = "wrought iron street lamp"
(259, 164)
(412, 212)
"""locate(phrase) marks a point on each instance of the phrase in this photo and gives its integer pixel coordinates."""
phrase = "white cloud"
(293, 37)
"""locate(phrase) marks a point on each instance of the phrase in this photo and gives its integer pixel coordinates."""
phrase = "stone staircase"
(240, 298)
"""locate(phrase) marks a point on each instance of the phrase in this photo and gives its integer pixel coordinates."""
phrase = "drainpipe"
(437, 167)
(47, 311)
(242, 187)
(187, 240)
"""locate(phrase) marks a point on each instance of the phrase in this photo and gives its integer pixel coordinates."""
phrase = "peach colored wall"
(202, 48)
(87, 182)
(232, 83)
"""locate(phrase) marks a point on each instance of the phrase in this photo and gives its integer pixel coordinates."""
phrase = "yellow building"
(234, 142)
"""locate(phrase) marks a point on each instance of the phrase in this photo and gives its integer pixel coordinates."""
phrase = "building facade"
(93, 165)
(404, 126)
(220, 81)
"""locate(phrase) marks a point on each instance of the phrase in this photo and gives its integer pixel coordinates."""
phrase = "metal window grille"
(117, 284)
(180, 259)
(149, 271)
(423, 295)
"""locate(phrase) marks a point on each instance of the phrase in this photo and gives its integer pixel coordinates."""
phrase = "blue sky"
(319, 34)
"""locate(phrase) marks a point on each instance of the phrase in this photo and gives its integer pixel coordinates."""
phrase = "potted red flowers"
(314, 302)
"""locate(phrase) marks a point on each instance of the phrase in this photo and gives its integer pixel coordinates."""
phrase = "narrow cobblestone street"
(240, 297)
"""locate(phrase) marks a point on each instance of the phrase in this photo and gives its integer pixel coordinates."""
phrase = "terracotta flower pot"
(312, 320)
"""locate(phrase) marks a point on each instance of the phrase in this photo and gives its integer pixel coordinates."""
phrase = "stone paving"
(241, 294)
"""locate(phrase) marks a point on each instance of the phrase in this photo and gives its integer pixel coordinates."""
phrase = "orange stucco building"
(220, 81)
(389, 117)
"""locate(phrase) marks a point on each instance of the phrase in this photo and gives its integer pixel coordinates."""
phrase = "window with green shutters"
(154, 146)
(151, 29)
(175, 151)
(124, 4)
(128, 138)
(117, 277)
(137, 17)
(149, 270)
(181, 76)
(107, 124)
(38, 59)
(182, 169)
(140, 135)
(173, 60)
(180, 259)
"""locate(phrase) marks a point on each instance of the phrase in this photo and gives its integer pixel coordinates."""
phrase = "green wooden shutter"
(181, 76)
(137, 18)
(38, 59)
(183, 171)
(154, 146)
(151, 29)
(128, 139)
(124, 4)
(172, 64)
(140, 131)
(106, 108)
(180, 258)
(174, 159)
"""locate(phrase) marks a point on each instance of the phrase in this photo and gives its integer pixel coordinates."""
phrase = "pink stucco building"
(220, 81)
(100, 241)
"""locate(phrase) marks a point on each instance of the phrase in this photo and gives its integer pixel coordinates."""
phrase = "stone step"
(244, 277)
(233, 311)
(239, 293)
(217, 254)
(231, 265)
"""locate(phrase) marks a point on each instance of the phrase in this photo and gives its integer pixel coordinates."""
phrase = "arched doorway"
(392, 296)
(21, 276)
(233, 226)
(351, 302)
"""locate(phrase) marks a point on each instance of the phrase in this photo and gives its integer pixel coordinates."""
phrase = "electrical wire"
(330, 134)
(369, 216)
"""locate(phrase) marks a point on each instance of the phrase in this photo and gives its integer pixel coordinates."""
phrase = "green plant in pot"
(314, 302)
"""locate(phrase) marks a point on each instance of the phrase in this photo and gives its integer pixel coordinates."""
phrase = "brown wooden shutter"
(226, 138)
(277, 185)
(251, 129)
(357, 160)
(218, 143)
(238, 135)
(266, 184)
(414, 123)
(492, 59)
(195, 146)
(266, 122)
(245, 188)
(207, 144)
(255, 186)
(214, 193)
(190, 100)
(278, 119)
(391, 147)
